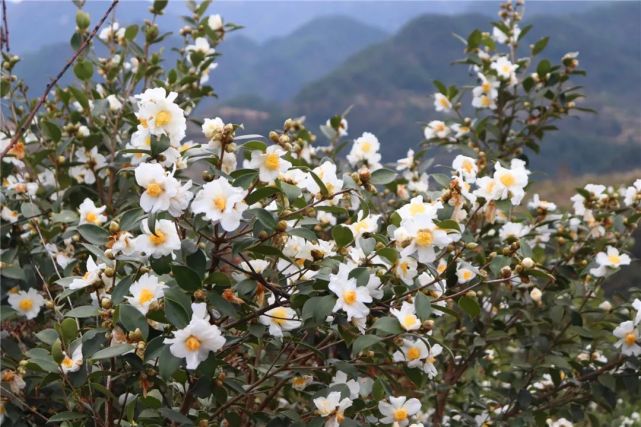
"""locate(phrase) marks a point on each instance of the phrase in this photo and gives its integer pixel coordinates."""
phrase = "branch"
(43, 98)
(4, 34)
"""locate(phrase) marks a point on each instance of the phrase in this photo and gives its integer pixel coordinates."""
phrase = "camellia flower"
(158, 113)
(511, 182)
(15, 381)
(90, 214)
(351, 298)
(465, 272)
(628, 335)
(300, 382)
(73, 363)
(280, 319)
(9, 215)
(418, 210)
(123, 244)
(332, 408)
(221, 201)
(114, 103)
(145, 291)
(632, 193)
(430, 360)
(636, 304)
(194, 342)
(465, 167)
(160, 187)
(436, 129)
(366, 148)
(180, 201)
(412, 352)
(270, 164)
(201, 45)
(213, 131)
(405, 269)
(500, 37)
(514, 230)
(92, 161)
(407, 316)
(342, 126)
(368, 224)
(424, 237)
(561, 422)
(27, 303)
(504, 68)
(112, 32)
(163, 241)
(91, 276)
(352, 385)
(398, 410)
(442, 103)
(215, 22)
(611, 258)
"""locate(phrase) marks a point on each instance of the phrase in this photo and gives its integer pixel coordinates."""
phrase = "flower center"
(507, 179)
(145, 296)
(506, 69)
(417, 209)
(413, 353)
(404, 266)
(430, 359)
(444, 102)
(157, 238)
(67, 362)
(163, 118)
(143, 122)
(467, 274)
(468, 166)
(279, 316)
(409, 320)
(192, 343)
(349, 297)
(630, 338)
(614, 259)
(486, 86)
(154, 189)
(424, 238)
(400, 414)
(366, 147)
(220, 203)
(272, 161)
(26, 304)
(92, 218)
(485, 101)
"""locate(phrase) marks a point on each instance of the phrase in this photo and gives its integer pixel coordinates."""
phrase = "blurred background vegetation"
(317, 58)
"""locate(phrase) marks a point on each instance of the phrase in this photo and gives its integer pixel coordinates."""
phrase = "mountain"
(388, 85)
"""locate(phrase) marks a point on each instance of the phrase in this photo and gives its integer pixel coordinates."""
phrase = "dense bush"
(245, 280)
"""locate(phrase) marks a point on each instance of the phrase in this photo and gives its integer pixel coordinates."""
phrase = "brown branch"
(21, 129)
(4, 34)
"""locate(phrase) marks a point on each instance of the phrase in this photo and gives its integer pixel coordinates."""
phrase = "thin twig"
(5, 27)
(21, 129)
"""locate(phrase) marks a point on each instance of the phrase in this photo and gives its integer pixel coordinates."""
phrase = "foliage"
(302, 288)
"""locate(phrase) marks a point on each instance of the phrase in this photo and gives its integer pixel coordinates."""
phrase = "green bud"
(82, 20)
(56, 351)
(69, 329)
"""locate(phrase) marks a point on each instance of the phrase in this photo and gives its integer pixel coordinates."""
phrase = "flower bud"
(605, 306)
(536, 294)
(82, 20)
(506, 272)
(114, 227)
(527, 262)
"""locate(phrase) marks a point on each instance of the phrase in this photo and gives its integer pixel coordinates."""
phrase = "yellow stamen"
(272, 161)
(279, 315)
(614, 259)
(192, 343)
(163, 118)
(220, 203)
(424, 238)
(154, 189)
(158, 238)
(409, 320)
(145, 296)
(349, 297)
(413, 353)
(25, 304)
(400, 414)
(507, 179)
(67, 362)
(630, 338)
(467, 275)
(417, 209)
(366, 147)
(92, 218)
(143, 122)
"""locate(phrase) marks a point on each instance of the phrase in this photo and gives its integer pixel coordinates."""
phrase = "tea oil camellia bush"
(159, 269)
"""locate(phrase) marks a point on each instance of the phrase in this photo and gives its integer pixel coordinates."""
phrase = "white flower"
(342, 126)
(92, 162)
(561, 422)
(609, 259)
(230, 163)
(536, 203)
(436, 129)
(270, 164)
(112, 33)
(465, 272)
(326, 172)
(163, 241)
(424, 237)
(628, 335)
(197, 339)
(280, 319)
(73, 363)
(159, 187)
(487, 188)
(213, 131)
(91, 276)
(636, 304)
(179, 202)
(412, 352)
(215, 22)
(407, 162)
(124, 244)
(368, 224)
(514, 230)
(511, 182)
(351, 298)
(90, 214)
(632, 193)
(9, 215)
(300, 382)
(145, 291)
(500, 37)
(398, 410)
(442, 103)
(407, 316)
(465, 167)
(418, 210)
(62, 257)
(504, 68)
(221, 201)
(430, 360)
(114, 103)
(353, 386)
(158, 113)
(201, 45)
(365, 149)
(405, 269)
(332, 408)
(27, 303)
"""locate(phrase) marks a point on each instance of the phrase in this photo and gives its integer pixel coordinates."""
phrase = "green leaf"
(470, 306)
(318, 308)
(540, 45)
(51, 130)
(93, 234)
(121, 289)
(254, 145)
(305, 233)
(131, 32)
(66, 416)
(382, 176)
(342, 236)
(186, 278)
(260, 194)
(159, 145)
(132, 319)
(448, 224)
(177, 307)
(423, 305)
(265, 218)
(83, 69)
(390, 254)
(388, 324)
(167, 363)
(83, 311)
(363, 342)
(113, 351)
